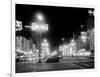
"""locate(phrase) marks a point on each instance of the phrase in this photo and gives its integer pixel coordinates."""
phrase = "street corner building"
(52, 38)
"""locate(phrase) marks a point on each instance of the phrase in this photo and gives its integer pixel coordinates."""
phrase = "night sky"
(63, 21)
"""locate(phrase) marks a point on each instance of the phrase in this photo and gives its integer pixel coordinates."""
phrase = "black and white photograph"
(53, 38)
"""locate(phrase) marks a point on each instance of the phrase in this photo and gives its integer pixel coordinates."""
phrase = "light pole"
(39, 27)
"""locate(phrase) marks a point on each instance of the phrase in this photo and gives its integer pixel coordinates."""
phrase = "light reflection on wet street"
(39, 67)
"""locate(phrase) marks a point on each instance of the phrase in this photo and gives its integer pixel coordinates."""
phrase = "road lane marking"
(86, 64)
(77, 66)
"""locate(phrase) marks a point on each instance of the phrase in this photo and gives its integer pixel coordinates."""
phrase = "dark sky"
(63, 21)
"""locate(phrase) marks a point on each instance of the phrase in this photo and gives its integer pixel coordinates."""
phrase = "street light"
(39, 16)
(39, 27)
(62, 39)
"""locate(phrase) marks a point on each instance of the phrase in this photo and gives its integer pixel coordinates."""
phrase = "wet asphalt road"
(64, 65)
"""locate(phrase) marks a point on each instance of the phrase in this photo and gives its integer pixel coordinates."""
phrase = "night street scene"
(53, 38)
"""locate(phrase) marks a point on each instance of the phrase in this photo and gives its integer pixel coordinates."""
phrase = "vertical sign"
(18, 25)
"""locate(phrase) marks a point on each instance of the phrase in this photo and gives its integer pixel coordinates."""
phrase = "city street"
(70, 64)
(49, 38)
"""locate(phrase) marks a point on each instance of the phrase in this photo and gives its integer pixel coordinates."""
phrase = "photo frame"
(67, 37)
